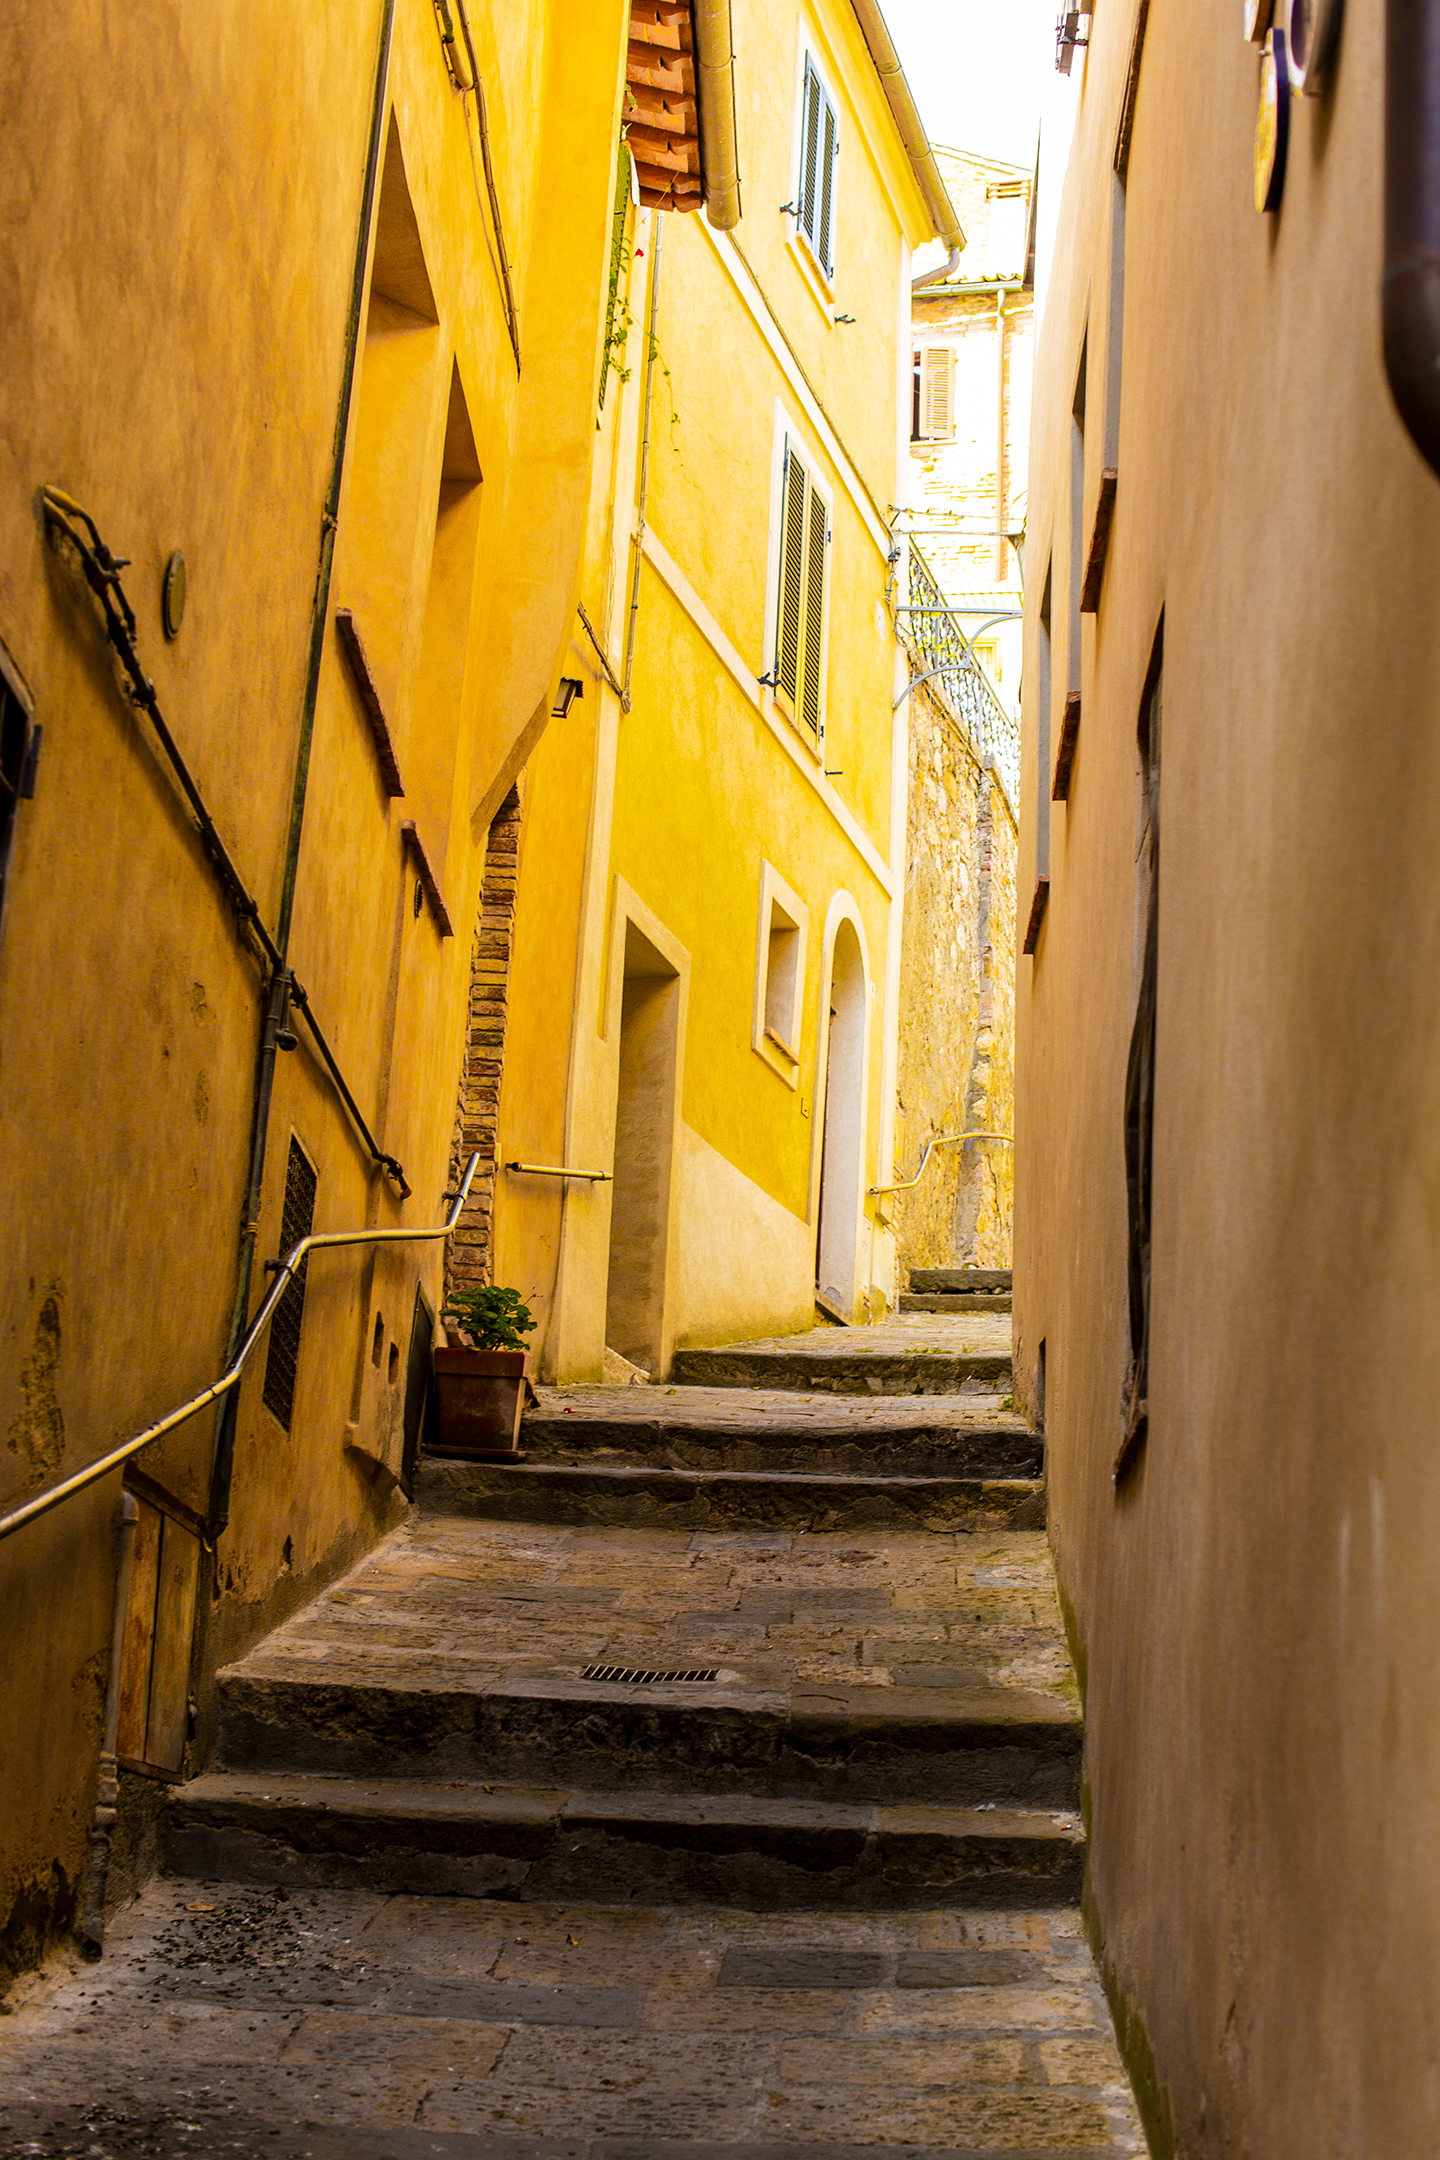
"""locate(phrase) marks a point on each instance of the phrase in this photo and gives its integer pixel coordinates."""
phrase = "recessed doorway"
(645, 1112)
(842, 1139)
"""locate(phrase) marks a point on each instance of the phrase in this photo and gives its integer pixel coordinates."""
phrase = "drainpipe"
(276, 1033)
(937, 277)
(715, 80)
(909, 125)
(1410, 292)
(657, 227)
(102, 1822)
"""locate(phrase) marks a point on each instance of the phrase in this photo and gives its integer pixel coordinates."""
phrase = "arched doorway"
(842, 1136)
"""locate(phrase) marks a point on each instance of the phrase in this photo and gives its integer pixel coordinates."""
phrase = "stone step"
(955, 1301)
(454, 1837)
(654, 1497)
(636, 1426)
(958, 1743)
(844, 1371)
(961, 1278)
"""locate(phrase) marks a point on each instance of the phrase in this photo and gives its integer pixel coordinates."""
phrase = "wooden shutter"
(829, 146)
(792, 576)
(937, 417)
(810, 118)
(815, 544)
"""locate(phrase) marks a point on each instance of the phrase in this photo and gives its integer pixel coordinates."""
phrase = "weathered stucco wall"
(676, 809)
(956, 1058)
(1257, 1607)
(180, 199)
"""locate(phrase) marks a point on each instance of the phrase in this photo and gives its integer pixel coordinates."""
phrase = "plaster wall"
(181, 200)
(1255, 1608)
(688, 796)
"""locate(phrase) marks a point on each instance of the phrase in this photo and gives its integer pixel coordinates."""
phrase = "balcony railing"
(938, 644)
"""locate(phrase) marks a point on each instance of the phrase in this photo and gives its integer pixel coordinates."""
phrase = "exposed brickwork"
(478, 1100)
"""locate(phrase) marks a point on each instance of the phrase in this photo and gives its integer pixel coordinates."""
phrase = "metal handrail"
(545, 1169)
(284, 1272)
(944, 1140)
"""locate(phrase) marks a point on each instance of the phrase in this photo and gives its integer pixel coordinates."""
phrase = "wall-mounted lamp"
(570, 688)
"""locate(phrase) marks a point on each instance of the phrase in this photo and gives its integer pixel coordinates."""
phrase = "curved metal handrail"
(952, 1139)
(284, 1273)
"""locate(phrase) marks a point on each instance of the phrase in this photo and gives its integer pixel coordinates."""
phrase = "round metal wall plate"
(172, 595)
(1256, 15)
(1312, 28)
(1272, 123)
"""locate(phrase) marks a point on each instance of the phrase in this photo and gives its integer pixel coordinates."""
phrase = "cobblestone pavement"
(946, 1620)
(231, 2023)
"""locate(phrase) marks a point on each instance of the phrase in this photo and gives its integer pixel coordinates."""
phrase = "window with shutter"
(800, 614)
(815, 187)
(938, 414)
(814, 612)
(792, 577)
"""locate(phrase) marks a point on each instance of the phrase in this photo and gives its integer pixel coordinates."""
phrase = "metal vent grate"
(640, 1676)
(283, 1357)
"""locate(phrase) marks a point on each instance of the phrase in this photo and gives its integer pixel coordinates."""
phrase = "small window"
(819, 150)
(779, 974)
(800, 615)
(932, 407)
(19, 750)
(282, 1362)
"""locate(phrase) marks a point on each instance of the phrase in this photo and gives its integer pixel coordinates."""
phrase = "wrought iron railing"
(939, 644)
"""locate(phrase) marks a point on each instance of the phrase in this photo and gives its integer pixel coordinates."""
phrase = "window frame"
(789, 440)
(19, 782)
(921, 378)
(805, 243)
(779, 1049)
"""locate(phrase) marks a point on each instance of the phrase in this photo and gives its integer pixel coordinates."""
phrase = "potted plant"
(480, 1379)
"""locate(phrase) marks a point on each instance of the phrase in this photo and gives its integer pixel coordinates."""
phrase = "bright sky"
(978, 69)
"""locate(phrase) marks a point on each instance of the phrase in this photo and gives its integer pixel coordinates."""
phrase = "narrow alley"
(708, 1783)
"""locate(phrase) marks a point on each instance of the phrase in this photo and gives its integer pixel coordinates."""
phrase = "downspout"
(107, 1798)
(715, 85)
(276, 1033)
(1410, 292)
(657, 227)
(907, 120)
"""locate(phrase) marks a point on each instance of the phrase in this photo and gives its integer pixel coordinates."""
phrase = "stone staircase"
(957, 1290)
(759, 1648)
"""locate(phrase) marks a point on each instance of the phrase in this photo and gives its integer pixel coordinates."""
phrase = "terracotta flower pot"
(481, 1396)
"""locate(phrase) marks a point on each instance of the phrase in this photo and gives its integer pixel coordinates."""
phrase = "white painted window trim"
(787, 431)
(817, 278)
(782, 1058)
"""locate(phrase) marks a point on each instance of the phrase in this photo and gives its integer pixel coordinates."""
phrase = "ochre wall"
(1257, 1610)
(180, 199)
(679, 801)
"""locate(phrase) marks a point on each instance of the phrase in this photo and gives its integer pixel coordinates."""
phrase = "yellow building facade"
(301, 349)
(704, 980)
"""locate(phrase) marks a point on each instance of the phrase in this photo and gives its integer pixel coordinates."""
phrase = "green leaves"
(491, 1318)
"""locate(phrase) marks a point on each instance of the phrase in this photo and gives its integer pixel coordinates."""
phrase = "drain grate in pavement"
(641, 1676)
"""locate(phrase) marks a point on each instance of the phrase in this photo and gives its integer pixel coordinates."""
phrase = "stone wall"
(955, 1070)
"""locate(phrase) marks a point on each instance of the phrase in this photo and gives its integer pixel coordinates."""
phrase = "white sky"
(978, 69)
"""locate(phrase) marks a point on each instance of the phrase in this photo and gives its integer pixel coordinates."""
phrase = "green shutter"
(792, 576)
(809, 152)
(814, 611)
(829, 150)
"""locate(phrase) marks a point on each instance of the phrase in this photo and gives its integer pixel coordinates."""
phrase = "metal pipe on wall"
(1410, 290)
(656, 228)
(276, 1023)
